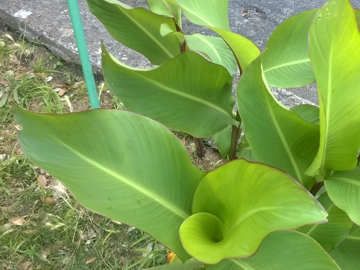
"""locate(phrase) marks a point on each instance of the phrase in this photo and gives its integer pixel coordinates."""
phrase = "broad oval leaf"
(283, 251)
(346, 255)
(244, 49)
(187, 93)
(215, 48)
(335, 56)
(333, 232)
(286, 61)
(206, 13)
(344, 190)
(277, 136)
(137, 28)
(238, 204)
(118, 164)
(166, 7)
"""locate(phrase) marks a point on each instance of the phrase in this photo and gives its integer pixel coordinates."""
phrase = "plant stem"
(316, 188)
(235, 135)
(234, 141)
(200, 149)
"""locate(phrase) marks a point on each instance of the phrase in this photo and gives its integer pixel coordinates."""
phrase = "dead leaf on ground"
(90, 260)
(19, 151)
(4, 82)
(29, 231)
(42, 181)
(18, 221)
(78, 84)
(9, 37)
(41, 75)
(62, 92)
(45, 253)
(24, 75)
(14, 46)
(25, 266)
(49, 201)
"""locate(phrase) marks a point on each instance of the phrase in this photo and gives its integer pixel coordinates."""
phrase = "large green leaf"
(207, 13)
(333, 232)
(277, 136)
(187, 93)
(245, 50)
(215, 48)
(335, 56)
(116, 163)
(238, 204)
(344, 190)
(346, 255)
(166, 7)
(283, 251)
(137, 28)
(286, 60)
(307, 112)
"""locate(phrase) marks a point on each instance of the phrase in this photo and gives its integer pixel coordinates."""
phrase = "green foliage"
(137, 22)
(283, 251)
(333, 232)
(149, 200)
(205, 96)
(240, 195)
(332, 36)
(291, 142)
(347, 253)
(286, 60)
(131, 168)
(208, 13)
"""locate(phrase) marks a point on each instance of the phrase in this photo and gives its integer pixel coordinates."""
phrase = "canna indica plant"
(289, 198)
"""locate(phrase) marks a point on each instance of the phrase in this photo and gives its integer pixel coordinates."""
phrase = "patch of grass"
(41, 225)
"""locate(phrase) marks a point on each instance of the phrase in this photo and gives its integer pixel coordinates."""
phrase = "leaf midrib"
(356, 238)
(162, 201)
(147, 33)
(177, 92)
(211, 46)
(349, 181)
(248, 214)
(328, 109)
(287, 64)
(283, 140)
(196, 15)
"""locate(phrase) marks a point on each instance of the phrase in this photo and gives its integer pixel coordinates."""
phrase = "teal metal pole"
(83, 52)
